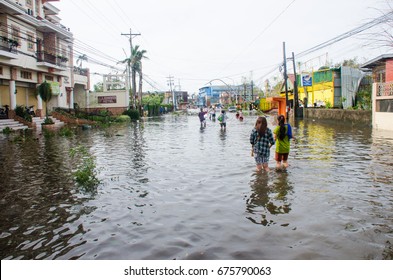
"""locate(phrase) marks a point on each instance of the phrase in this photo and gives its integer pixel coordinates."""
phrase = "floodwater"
(170, 190)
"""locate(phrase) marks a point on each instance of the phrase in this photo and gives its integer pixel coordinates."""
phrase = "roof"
(377, 61)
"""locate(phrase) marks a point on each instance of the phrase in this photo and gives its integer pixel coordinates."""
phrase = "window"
(30, 42)
(26, 75)
(1, 70)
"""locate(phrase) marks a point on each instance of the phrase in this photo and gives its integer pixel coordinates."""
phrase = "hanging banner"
(55, 87)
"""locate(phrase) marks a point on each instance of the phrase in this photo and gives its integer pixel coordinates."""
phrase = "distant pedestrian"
(222, 118)
(202, 118)
(262, 140)
(282, 135)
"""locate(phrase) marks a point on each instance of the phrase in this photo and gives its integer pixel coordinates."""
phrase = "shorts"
(223, 124)
(282, 156)
(260, 159)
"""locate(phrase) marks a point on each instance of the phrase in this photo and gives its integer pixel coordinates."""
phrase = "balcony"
(45, 59)
(8, 48)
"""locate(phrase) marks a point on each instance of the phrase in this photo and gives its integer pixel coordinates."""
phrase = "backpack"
(220, 118)
(289, 132)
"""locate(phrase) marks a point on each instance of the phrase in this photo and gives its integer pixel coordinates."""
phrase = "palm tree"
(134, 63)
(80, 59)
(44, 90)
(139, 55)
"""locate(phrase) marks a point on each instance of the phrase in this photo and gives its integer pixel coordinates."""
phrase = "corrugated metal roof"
(377, 61)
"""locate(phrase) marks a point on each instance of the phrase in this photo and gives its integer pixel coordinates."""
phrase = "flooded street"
(170, 190)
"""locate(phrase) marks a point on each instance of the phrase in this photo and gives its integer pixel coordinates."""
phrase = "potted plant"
(44, 90)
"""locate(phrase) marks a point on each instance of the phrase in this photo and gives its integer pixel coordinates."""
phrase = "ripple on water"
(172, 191)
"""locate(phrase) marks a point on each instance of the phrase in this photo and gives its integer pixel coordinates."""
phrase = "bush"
(133, 114)
(123, 118)
(85, 174)
(22, 112)
(7, 130)
(66, 132)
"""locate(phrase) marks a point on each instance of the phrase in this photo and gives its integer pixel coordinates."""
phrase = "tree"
(139, 55)
(134, 63)
(99, 87)
(383, 36)
(80, 59)
(44, 90)
(353, 63)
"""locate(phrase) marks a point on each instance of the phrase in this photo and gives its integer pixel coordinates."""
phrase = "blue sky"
(197, 41)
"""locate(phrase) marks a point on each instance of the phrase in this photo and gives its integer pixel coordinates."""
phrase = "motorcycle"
(4, 112)
(30, 110)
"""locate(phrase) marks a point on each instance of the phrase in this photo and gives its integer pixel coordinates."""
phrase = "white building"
(35, 47)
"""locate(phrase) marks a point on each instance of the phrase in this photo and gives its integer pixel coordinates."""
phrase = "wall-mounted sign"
(306, 80)
(107, 99)
(55, 87)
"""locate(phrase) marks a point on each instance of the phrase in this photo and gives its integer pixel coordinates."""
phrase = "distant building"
(333, 87)
(226, 94)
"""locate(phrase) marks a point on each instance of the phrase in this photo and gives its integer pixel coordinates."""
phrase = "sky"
(217, 42)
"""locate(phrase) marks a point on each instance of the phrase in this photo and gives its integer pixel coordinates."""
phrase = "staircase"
(11, 123)
(38, 121)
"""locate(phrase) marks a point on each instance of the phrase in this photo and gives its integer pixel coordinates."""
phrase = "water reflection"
(269, 197)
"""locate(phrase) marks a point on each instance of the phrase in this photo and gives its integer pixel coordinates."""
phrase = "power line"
(260, 34)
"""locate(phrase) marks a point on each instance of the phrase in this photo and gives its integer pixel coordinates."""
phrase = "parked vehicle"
(4, 112)
(30, 110)
(232, 109)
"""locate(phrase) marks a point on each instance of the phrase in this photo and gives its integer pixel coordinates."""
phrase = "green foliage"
(7, 130)
(23, 113)
(123, 118)
(44, 90)
(328, 104)
(133, 114)
(99, 87)
(363, 98)
(85, 174)
(66, 132)
(47, 120)
(48, 133)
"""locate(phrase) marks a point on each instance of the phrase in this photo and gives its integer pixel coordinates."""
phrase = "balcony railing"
(81, 71)
(385, 89)
(8, 45)
(58, 60)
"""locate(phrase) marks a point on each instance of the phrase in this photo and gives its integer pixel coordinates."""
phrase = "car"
(232, 109)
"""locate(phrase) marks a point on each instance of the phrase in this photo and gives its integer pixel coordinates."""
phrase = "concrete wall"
(348, 116)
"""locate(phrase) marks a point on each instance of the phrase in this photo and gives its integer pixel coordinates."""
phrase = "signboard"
(107, 99)
(306, 80)
(55, 87)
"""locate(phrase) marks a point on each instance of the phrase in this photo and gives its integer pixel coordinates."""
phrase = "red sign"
(106, 99)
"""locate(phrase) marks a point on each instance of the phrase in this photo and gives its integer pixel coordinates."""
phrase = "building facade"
(35, 47)
(382, 93)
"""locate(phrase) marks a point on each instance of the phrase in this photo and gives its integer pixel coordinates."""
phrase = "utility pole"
(295, 91)
(170, 84)
(285, 81)
(131, 35)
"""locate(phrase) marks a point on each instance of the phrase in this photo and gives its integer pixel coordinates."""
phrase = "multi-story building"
(382, 92)
(35, 47)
